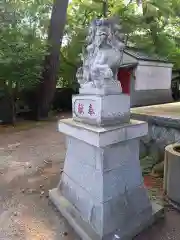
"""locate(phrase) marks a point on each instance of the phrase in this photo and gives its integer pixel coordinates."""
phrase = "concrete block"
(102, 186)
(89, 208)
(101, 192)
(132, 174)
(85, 176)
(101, 110)
(137, 130)
(85, 153)
(100, 136)
(85, 229)
(110, 89)
(116, 215)
(113, 184)
(104, 183)
(135, 197)
(118, 154)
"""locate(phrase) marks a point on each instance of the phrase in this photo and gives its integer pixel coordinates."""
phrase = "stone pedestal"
(101, 110)
(101, 192)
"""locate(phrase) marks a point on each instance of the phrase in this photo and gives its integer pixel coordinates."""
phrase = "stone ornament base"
(108, 89)
(101, 191)
(102, 137)
(172, 174)
(101, 110)
(86, 232)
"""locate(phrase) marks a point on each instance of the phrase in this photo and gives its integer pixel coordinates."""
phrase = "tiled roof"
(140, 55)
(127, 65)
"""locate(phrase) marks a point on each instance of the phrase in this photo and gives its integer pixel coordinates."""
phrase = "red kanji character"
(80, 108)
(91, 110)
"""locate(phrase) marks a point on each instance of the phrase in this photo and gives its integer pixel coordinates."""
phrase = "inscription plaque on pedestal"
(85, 108)
(101, 110)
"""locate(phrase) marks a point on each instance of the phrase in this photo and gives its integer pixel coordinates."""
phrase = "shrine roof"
(140, 55)
(128, 65)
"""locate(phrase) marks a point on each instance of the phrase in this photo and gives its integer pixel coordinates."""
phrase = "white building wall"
(152, 77)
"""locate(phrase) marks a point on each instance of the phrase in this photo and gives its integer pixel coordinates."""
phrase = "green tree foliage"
(22, 47)
(23, 30)
(80, 14)
(150, 25)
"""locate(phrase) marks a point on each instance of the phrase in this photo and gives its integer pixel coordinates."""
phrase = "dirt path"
(30, 163)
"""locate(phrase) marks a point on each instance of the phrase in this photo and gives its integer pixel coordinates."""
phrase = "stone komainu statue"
(102, 55)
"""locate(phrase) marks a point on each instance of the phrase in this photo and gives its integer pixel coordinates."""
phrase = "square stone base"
(85, 231)
(101, 110)
(101, 192)
(109, 88)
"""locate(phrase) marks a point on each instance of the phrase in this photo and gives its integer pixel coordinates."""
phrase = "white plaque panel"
(101, 110)
(151, 77)
(86, 108)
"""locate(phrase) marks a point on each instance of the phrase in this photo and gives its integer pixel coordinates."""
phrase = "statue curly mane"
(103, 54)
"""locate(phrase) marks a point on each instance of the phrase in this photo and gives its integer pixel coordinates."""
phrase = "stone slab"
(166, 115)
(96, 191)
(103, 136)
(85, 231)
(109, 89)
(122, 210)
(114, 168)
(151, 97)
(101, 110)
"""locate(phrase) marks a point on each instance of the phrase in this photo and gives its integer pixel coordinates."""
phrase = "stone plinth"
(101, 192)
(101, 109)
(109, 88)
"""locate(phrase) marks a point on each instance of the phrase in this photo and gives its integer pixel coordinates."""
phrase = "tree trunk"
(105, 8)
(7, 107)
(48, 81)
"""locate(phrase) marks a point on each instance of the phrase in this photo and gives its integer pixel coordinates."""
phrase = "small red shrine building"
(146, 79)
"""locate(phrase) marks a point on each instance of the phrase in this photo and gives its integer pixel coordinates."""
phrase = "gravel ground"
(30, 163)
